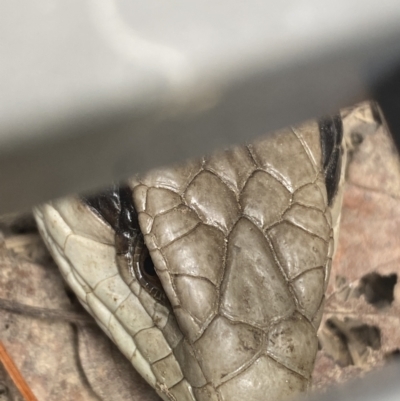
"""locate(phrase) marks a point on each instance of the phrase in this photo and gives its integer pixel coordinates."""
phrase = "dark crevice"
(3, 389)
(356, 139)
(369, 336)
(393, 356)
(17, 224)
(72, 297)
(377, 289)
(348, 341)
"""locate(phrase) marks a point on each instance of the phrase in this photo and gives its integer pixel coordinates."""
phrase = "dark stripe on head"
(115, 206)
(331, 136)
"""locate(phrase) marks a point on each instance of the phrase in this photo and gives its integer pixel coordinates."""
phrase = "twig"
(15, 375)
(44, 313)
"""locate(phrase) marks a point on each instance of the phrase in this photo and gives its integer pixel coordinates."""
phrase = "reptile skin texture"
(242, 242)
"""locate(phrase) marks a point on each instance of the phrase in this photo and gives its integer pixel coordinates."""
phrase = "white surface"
(93, 90)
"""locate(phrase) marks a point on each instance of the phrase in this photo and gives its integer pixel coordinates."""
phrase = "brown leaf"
(43, 349)
(359, 329)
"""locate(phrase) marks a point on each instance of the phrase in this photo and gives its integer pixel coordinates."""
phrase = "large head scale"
(241, 244)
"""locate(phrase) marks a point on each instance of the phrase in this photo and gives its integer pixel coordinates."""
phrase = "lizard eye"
(115, 206)
(145, 272)
(148, 266)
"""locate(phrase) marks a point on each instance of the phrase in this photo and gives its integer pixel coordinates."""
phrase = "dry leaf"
(359, 330)
(43, 349)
